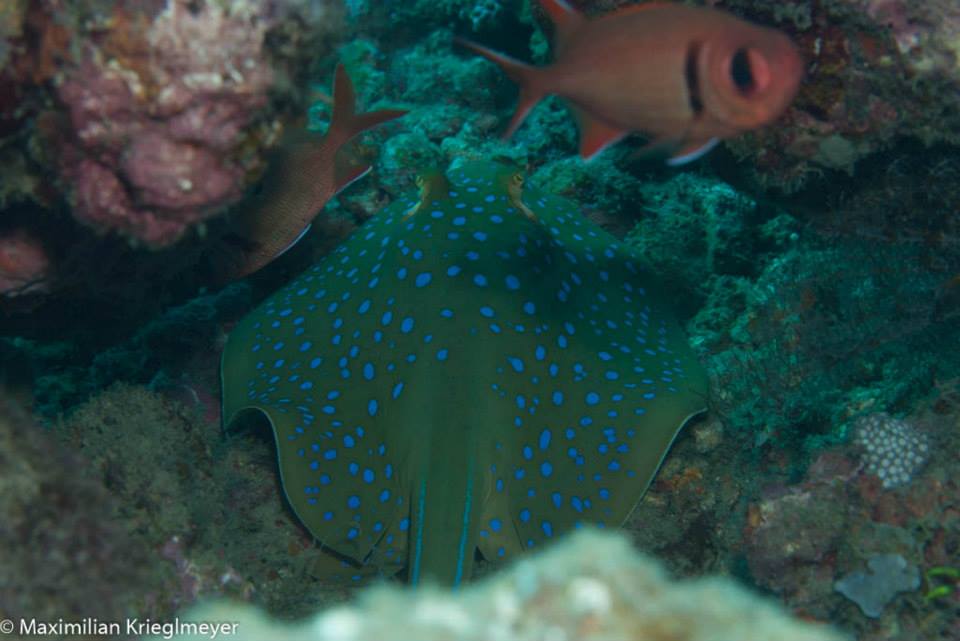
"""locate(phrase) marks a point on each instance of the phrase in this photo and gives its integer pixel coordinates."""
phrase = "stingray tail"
(529, 79)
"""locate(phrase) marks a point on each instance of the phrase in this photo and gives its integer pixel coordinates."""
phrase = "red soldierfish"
(684, 76)
(297, 185)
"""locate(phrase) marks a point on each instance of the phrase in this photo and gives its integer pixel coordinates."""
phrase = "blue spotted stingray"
(479, 367)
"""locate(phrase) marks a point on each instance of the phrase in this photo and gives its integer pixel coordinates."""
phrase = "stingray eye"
(517, 179)
(749, 71)
(419, 180)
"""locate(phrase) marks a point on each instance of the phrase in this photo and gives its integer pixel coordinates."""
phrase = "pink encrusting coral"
(161, 110)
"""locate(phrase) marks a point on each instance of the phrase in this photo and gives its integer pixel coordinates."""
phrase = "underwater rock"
(888, 575)
(63, 551)
(592, 586)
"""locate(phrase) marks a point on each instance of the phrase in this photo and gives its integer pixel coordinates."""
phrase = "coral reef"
(804, 540)
(591, 586)
(895, 450)
(887, 576)
(166, 116)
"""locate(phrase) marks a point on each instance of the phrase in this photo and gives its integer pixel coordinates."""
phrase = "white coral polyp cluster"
(894, 449)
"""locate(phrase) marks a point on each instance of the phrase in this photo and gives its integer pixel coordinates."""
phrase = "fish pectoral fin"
(691, 151)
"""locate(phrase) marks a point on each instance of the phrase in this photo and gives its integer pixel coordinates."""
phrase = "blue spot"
(459, 221)
(406, 325)
(304, 346)
(368, 476)
(516, 363)
(353, 502)
(423, 279)
(480, 280)
(348, 441)
(547, 528)
(404, 524)
(527, 452)
(397, 389)
(352, 533)
(384, 496)
(540, 353)
(330, 455)
(328, 516)
(446, 313)
(368, 371)
(592, 398)
(386, 318)
(372, 407)
(388, 471)
(529, 308)
(557, 499)
(442, 354)
(562, 341)
(546, 469)
(278, 345)
(402, 273)
(364, 307)
(306, 385)
(604, 493)
(513, 283)
(558, 398)
(519, 473)
(604, 356)
(453, 270)
(544, 439)
(479, 235)
(496, 524)
(524, 515)
(324, 479)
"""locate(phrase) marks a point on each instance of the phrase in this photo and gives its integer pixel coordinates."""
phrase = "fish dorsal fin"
(595, 135)
(566, 20)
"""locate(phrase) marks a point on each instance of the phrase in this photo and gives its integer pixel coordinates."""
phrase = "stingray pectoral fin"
(321, 478)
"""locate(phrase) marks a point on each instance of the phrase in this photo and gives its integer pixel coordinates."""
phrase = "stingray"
(477, 368)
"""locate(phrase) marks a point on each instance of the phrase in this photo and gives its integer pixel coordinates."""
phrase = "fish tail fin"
(528, 78)
(346, 123)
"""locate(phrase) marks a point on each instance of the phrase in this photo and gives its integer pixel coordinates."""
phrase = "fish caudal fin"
(346, 123)
(527, 77)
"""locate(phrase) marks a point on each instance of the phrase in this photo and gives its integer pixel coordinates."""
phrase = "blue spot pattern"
(546, 322)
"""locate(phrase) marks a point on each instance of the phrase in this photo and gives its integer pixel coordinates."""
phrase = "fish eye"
(419, 180)
(741, 71)
(518, 179)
